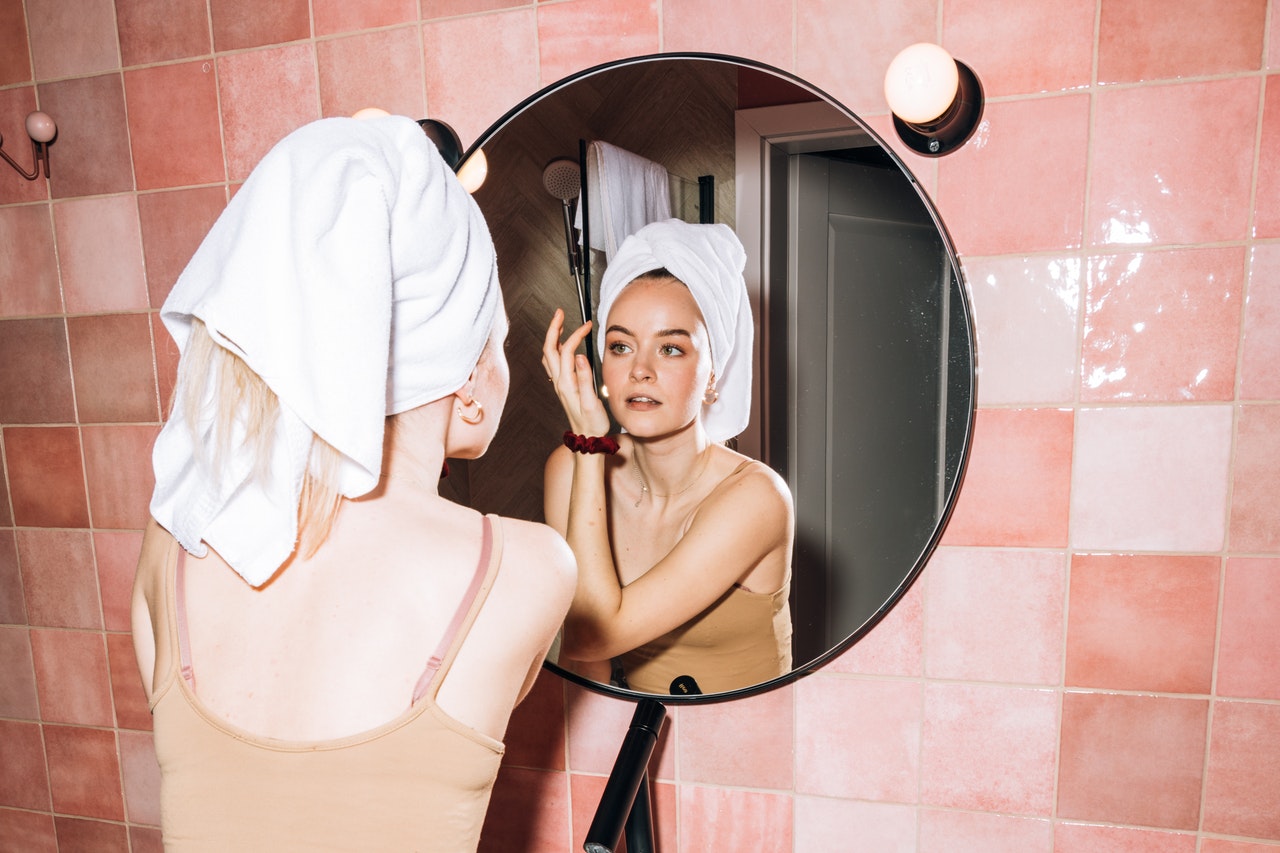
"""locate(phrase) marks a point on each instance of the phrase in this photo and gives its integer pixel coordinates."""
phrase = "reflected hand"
(571, 375)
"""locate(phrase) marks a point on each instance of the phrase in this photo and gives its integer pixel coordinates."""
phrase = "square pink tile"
(339, 16)
(1149, 40)
(111, 360)
(1222, 845)
(995, 615)
(827, 824)
(35, 372)
(759, 29)
(1141, 622)
(84, 772)
(997, 200)
(1255, 492)
(91, 154)
(989, 748)
(1132, 759)
(173, 224)
(76, 833)
(161, 30)
(71, 40)
(24, 783)
(528, 810)
(970, 832)
(58, 578)
(1260, 362)
(1192, 185)
(31, 283)
(728, 819)
(145, 839)
(46, 479)
(18, 700)
(100, 253)
(13, 609)
(160, 124)
(597, 726)
(127, 695)
(536, 734)
(470, 102)
(858, 738)
(837, 42)
(141, 777)
(1151, 478)
(1027, 315)
(72, 676)
(577, 35)
(1085, 838)
(1162, 326)
(119, 475)
(894, 646)
(1019, 48)
(30, 832)
(730, 743)
(15, 61)
(1266, 213)
(14, 105)
(238, 24)
(256, 116)
(1244, 763)
(117, 559)
(1249, 648)
(376, 69)
(1017, 485)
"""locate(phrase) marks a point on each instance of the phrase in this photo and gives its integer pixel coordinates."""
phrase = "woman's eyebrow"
(663, 333)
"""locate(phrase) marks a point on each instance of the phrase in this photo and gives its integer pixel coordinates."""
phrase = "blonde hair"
(240, 397)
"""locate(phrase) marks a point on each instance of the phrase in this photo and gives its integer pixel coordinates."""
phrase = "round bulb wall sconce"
(42, 129)
(936, 100)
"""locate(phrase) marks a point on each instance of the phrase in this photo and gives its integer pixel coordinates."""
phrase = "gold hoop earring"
(479, 415)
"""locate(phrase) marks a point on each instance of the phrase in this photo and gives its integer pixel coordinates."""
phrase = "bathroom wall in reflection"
(1090, 662)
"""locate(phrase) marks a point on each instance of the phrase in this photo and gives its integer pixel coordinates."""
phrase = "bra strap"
(460, 615)
(180, 616)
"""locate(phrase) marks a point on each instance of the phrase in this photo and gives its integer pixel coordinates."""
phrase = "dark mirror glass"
(863, 396)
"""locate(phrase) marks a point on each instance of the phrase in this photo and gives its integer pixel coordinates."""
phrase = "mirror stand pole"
(623, 801)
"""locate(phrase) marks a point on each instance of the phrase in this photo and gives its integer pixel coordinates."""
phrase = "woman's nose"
(640, 370)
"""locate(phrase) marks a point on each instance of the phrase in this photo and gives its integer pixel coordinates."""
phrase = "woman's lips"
(642, 404)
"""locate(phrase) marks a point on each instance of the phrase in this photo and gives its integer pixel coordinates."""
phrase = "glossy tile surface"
(739, 820)
(72, 676)
(1255, 524)
(84, 772)
(256, 117)
(1142, 622)
(568, 34)
(35, 372)
(100, 254)
(160, 30)
(239, 24)
(1260, 361)
(1084, 838)
(1132, 759)
(58, 578)
(338, 16)
(1026, 312)
(1266, 221)
(1162, 326)
(826, 824)
(1249, 649)
(46, 478)
(115, 380)
(1244, 761)
(380, 69)
(726, 743)
(1019, 48)
(1150, 40)
(975, 599)
(69, 39)
(1151, 478)
(1150, 186)
(159, 125)
(32, 283)
(961, 832)
(759, 29)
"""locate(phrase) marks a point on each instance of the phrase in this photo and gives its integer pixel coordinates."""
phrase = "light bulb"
(473, 171)
(921, 82)
(370, 112)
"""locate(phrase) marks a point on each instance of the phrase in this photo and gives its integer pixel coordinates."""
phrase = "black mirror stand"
(625, 800)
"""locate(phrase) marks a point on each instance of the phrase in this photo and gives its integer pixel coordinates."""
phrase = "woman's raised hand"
(571, 375)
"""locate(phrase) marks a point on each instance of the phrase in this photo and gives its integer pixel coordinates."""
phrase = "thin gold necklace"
(644, 487)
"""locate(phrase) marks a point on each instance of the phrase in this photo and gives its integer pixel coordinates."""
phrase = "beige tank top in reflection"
(742, 639)
(420, 782)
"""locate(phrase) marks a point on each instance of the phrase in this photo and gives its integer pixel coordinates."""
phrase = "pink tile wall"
(1088, 663)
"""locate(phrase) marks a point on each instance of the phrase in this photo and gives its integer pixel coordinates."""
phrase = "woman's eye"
(618, 348)
(671, 350)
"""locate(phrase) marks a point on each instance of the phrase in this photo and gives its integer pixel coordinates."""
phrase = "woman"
(331, 650)
(683, 545)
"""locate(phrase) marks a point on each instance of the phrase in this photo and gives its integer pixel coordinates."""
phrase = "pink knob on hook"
(41, 126)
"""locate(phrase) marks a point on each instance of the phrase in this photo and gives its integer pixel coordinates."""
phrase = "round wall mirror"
(864, 374)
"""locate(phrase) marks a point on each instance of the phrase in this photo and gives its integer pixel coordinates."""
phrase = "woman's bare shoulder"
(540, 557)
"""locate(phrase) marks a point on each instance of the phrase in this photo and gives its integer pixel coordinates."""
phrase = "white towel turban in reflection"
(709, 259)
(356, 276)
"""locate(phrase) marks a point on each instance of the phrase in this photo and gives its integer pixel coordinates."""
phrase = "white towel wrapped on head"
(709, 259)
(355, 275)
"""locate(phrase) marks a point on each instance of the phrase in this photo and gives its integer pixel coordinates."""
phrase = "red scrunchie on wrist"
(590, 443)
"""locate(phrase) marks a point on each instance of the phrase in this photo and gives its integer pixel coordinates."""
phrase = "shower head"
(562, 179)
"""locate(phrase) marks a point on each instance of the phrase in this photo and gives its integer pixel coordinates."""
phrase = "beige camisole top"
(420, 782)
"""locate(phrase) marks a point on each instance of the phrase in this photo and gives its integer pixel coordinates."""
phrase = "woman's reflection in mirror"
(683, 545)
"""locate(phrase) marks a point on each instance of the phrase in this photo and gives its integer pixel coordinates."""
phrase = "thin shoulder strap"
(180, 617)
(468, 609)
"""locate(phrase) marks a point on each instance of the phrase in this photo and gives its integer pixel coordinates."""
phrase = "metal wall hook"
(42, 129)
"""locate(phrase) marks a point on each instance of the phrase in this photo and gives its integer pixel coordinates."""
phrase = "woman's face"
(657, 357)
